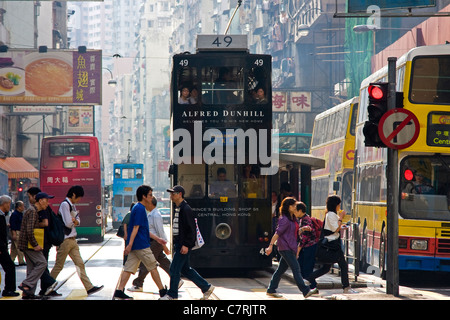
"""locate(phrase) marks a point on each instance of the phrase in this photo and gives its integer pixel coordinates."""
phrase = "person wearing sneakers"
(184, 233)
(36, 262)
(331, 230)
(286, 237)
(137, 247)
(69, 247)
(155, 223)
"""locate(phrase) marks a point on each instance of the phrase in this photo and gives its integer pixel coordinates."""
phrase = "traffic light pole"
(392, 273)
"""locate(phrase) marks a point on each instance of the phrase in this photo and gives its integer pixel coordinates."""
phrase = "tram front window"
(128, 173)
(192, 178)
(425, 188)
(222, 182)
(222, 85)
(254, 185)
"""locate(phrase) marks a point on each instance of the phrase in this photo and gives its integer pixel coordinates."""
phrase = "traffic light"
(20, 185)
(378, 93)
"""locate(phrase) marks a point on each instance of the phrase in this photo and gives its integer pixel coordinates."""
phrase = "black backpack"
(55, 229)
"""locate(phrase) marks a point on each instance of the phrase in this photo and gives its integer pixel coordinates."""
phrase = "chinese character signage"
(279, 101)
(292, 101)
(80, 119)
(34, 110)
(300, 101)
(50, 78)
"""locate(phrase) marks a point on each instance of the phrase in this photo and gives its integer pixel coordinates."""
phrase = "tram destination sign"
(438, 129)
(214, 42)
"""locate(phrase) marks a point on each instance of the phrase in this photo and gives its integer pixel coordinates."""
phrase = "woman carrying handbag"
(331, 237)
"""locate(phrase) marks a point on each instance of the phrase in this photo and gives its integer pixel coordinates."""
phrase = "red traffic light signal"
(377, 107)
(20, 189)
(377, 91)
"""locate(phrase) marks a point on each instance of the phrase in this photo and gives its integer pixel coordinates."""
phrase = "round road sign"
(398, 128)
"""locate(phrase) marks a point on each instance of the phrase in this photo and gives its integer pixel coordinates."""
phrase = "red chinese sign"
(293, 101)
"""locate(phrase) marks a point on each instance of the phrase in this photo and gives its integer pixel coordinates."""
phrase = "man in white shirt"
(70, 247)
(156, 227)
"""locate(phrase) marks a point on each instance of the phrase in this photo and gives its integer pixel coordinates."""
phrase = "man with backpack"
(70, 247)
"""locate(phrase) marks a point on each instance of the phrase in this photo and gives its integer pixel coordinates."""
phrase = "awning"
(303, 159)
(18, 168)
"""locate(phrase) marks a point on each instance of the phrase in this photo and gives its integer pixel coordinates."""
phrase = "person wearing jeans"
(286, 237)
(331, 231)
(184, 234)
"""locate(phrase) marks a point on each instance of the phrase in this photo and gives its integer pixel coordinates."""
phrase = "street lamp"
(112, 82)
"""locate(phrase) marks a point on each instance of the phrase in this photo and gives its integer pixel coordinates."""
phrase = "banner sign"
(50, 78)
(293, 101)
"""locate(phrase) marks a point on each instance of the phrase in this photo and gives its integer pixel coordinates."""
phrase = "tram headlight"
(419, 244)
(223, 231)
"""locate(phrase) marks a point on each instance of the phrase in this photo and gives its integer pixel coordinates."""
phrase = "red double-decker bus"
(76, 160)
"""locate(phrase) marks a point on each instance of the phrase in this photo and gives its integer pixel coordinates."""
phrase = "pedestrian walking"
(286, 237)
(14, 226)
(159, 250)
(125, 222)
(308, 241)
(331, 231)
(184, 235)
(47, 282)
(5, 259)
(36, 262)
(138, 244)
(69, 247)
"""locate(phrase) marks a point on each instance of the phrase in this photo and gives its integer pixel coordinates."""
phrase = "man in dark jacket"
(184, 234)
(5, 259)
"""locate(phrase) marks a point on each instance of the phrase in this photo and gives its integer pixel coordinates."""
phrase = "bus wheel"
(382, 259)
(364, 246)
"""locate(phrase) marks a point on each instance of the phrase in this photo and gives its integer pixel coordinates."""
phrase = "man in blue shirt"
(138, 244)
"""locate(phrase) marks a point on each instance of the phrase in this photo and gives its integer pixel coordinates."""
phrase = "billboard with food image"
(53, 77)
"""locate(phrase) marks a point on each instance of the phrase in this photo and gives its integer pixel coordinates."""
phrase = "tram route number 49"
(228, 40)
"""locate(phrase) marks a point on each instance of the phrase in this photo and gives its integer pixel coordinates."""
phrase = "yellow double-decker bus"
(423, 75)
(333, 139)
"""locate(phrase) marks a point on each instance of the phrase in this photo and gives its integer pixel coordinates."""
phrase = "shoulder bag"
(327, 251)
(199, 242)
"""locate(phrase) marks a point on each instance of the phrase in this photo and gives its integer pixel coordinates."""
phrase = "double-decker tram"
(221, 118)
(423, 75)
(76, 160)
(333, 139)
(127, 178)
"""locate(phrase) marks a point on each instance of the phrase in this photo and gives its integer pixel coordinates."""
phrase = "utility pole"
(392, 273)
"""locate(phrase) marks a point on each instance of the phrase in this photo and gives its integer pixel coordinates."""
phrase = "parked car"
(165, 214)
